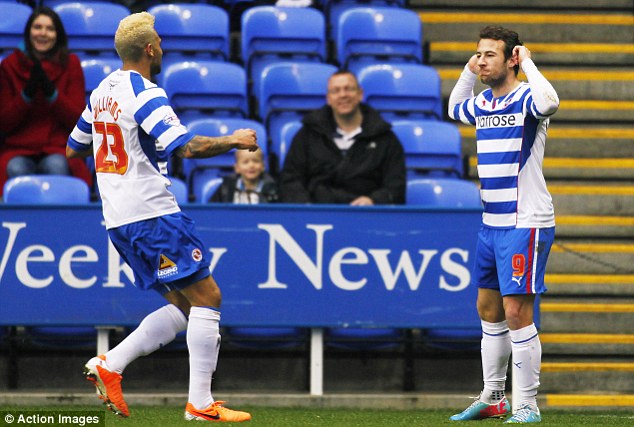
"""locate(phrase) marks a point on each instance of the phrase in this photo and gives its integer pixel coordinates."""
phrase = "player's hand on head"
(473, 64)
(246, 139)
(521, 53)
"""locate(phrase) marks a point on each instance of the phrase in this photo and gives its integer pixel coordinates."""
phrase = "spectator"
(42, 94)
(250, 184)
(344, 153)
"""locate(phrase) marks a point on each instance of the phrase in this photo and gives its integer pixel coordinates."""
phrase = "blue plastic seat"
(266, 338)
(363, 338)
(15, 15)
(208, 189)
(371, 35)
(431, 147)
(273, 34)
(91, 26)
(192, 30)
(402, 90)
(281, 143)
(179, 190)
(289, 89)
(333, 9)
(443, 193)
(97, 69)
(46, 189)
(204, 88)
(199, 171)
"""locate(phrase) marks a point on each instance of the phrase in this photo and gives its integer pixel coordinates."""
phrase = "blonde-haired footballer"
(131, 129)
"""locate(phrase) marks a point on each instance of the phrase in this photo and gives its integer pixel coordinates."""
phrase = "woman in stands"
(42, 95)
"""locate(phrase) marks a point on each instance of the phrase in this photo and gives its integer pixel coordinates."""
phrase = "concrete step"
(594, 226)
(586, 344)
(574, 284)
(579, 141)
(553, 27)
(591, 258)
(587, 316)
(598, 54)
(611, 375)
(594, 111)
(587, 198)
(588, 401)
(521, 6)
(579, 83)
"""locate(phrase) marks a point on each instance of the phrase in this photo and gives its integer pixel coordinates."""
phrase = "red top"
(39, 126)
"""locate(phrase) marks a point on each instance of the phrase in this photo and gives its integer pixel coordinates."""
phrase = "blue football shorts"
(512, 261)
(164, 252)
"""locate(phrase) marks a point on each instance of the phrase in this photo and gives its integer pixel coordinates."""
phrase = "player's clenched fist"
(246, 139)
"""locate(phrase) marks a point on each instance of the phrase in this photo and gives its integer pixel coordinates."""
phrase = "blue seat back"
(443, 192)
(204, 88)
(281, 143)
(198, 171)
(369, 35)
(273, 34)
(12, 25)
(290, 89)
(97, 69)
(333, 9)
(179, 190)
(431, 146)
(402, 90)
(91, 26)
(207, 189)
(46, 189)
(192, 30)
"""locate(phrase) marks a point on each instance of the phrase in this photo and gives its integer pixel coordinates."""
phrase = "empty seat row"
(268, 33)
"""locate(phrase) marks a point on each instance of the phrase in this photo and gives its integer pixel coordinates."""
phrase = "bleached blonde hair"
(134, 33)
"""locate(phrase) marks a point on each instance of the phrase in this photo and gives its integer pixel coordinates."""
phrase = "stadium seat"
(46, 189)
(97, 69)
(266, 338)
(205, 88)
(333, 9)
(402, 90)
(290, 89)
(431, 147)
(198, 171)
(179, 190)
(443, 193)
(363, 338)
(273, 34)
(62, 337)
(281, 143)
(12, 25)
(208, 189)
(91, 26)
(367, 36)
(192, 30)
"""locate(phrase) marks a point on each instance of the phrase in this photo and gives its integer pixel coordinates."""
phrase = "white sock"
(527, 361)
(158, 328)
(495, 351)
(203, 342)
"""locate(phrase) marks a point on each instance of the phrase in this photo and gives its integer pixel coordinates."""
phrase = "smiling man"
(518, 223)
(345, 153)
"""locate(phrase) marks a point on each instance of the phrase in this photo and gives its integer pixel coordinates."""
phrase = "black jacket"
(226, 191)
(315, 170)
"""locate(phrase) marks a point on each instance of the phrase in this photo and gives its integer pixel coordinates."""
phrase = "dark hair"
(509, 37)
(61, 44)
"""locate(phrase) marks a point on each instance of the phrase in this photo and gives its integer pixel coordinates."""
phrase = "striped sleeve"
(157, 118)
(80, 139)
(461, 105)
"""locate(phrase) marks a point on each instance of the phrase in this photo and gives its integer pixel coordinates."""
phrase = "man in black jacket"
(344, 153)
